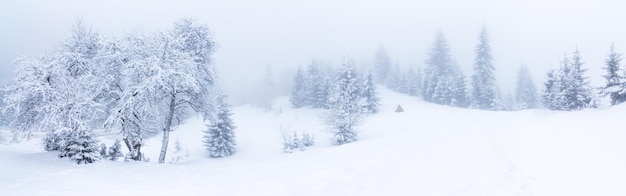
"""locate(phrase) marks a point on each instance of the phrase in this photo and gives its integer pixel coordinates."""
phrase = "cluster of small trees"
(348, 97)
(138, 84)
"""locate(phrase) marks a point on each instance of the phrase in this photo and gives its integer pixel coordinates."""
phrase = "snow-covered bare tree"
(55, 94)
(484, 79)
(168, 75)
(181, 74)
(525, 91)
(219, 138)
(346, 108)
(615, 86)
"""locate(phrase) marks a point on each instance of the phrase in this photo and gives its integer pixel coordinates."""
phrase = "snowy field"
(426, 150)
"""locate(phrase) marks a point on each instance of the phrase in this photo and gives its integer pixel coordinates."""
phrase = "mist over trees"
(143, 85)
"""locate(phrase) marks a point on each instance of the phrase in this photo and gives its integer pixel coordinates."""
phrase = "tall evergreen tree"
(382, 64)
(459, 96)
(484, 80)
(440, 74)
(346, 109)
(525, 90)
(568, 89)
(552, 88)
(615, 83)
(316, 91)
(372, 102)
(299, 94)
(394, 78)
(578, 93)
(219, 137)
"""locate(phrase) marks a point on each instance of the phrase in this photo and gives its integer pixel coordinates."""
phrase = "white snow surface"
(426, 150)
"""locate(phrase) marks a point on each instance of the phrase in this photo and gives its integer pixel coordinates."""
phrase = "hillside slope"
(426, 150)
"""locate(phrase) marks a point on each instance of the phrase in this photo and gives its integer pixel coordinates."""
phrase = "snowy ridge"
(426, 150)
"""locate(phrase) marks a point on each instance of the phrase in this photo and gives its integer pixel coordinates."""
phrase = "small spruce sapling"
(114, 151)
(103, 151)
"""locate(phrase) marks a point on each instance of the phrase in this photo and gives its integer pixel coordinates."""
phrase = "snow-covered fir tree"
(299, 93)
(552, 87)
(441, 77)
(317, 92)
(114, 152)
(568, 89)
(372, 102)
(577, 92)
(394, 78)
(615, 87)
(382, 64)
(459, 90)
(525, 90)
(81, 146)
(346, 108)
(219, 137)
(413, 82)
(484, 80)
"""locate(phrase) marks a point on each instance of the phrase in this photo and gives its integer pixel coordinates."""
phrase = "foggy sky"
(283, 34)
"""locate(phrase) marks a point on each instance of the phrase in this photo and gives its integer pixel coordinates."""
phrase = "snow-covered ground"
(426, 150)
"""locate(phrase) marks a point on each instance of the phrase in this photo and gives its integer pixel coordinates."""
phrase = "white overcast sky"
(254, 34)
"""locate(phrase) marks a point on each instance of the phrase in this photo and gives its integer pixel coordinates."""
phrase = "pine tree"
(568, 89)
(525, 90)
(103, 151)
(552, 88)
(394, 78)
(577, 92)
(372, 102)
(317, 92)
(459, 96)
(484, 80)
(219, 137)
(382, 64)
(114, 151)
(346, 109)
(440, 73)
(81, 146)
(298, 94)
(615, 83)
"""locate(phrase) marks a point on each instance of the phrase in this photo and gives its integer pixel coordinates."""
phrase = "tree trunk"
(167, 129)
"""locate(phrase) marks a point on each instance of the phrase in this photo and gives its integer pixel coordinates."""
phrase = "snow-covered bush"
(179, 153)
(293, 141)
